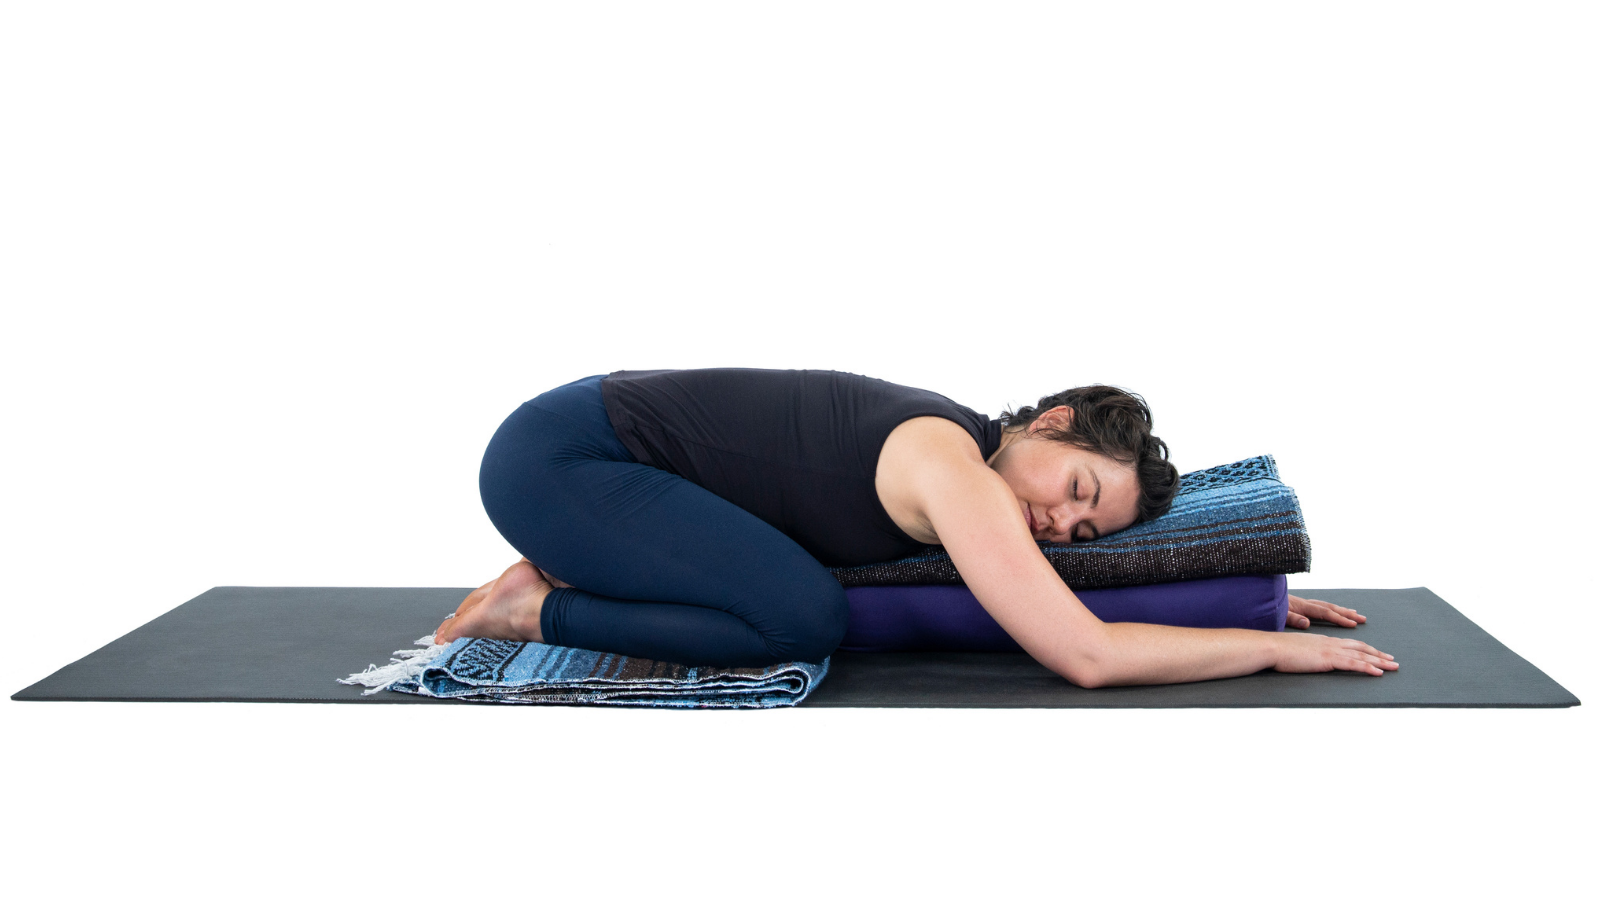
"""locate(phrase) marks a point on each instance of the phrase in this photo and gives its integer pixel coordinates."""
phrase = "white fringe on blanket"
(403, 664)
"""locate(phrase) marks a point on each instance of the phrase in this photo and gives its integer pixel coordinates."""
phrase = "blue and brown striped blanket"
(512, 672)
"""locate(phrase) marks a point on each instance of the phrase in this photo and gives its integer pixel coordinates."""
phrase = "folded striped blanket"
(512, 672)
(1236, 519)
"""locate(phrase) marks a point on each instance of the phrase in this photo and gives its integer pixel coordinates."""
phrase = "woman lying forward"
(689, 516)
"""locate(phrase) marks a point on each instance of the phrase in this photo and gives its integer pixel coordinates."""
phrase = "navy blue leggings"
(662, 568)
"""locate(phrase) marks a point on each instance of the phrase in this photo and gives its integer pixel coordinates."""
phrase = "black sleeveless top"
(796, 447)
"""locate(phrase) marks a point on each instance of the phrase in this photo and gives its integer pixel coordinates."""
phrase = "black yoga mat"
(289, 644)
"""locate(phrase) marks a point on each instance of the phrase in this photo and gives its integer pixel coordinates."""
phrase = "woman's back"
(797, 448)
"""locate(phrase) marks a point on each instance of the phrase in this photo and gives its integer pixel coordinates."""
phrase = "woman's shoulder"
(919, 453)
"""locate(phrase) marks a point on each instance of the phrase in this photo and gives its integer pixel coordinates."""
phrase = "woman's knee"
(505, 467)
(815, 622)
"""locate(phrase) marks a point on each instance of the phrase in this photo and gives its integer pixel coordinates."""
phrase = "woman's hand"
(1302, 611)
(1322, 653)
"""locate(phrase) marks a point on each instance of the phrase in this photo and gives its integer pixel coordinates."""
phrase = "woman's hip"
(567, 421)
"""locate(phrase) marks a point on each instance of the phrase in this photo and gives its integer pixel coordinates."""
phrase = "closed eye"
(1092, 532)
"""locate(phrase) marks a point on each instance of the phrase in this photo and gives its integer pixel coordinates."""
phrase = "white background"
(273, 273)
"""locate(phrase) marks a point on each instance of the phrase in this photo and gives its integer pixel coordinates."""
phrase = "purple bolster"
(948, 617)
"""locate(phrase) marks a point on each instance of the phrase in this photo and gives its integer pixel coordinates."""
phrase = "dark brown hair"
(1115, 424)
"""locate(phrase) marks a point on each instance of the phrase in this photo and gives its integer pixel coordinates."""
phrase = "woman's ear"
(1058, 418)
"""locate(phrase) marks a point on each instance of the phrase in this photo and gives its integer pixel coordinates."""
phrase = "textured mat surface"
(290, 643)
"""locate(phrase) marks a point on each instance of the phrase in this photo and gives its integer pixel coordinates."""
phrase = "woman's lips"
(1031, 526)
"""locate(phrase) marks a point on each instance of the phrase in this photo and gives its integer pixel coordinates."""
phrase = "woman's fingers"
(1364, 665)
(1377, 661)
(1367, 658)
(1325, 611)
(1299, 609)
(1340, 615)
(1372, 665)
(1338, 618)
(1323, 653)
(1353, 644)
(1362, 662)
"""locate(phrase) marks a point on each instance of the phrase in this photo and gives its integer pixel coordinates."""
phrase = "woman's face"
(1065, 493)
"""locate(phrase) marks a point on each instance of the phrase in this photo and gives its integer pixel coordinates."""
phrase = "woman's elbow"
(1086, 664)
(1088, 680)
(1083, 672)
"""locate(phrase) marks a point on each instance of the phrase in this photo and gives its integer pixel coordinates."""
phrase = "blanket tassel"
(403, 664)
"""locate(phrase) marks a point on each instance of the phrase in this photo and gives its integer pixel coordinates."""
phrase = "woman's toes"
(443, 633)
(474, 598)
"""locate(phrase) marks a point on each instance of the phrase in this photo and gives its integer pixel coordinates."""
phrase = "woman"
(688, 516)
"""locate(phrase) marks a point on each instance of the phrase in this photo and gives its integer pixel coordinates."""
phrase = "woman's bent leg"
(664, 569)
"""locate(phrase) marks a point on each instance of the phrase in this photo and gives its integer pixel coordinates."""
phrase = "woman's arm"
(981, 526)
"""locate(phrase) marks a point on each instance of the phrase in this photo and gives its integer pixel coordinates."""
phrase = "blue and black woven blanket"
(1237, 519)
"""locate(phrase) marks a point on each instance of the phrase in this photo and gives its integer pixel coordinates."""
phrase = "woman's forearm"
(1135, 653)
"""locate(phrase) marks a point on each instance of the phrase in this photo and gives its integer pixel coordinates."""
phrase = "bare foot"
(476, 597)
(505, 609)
